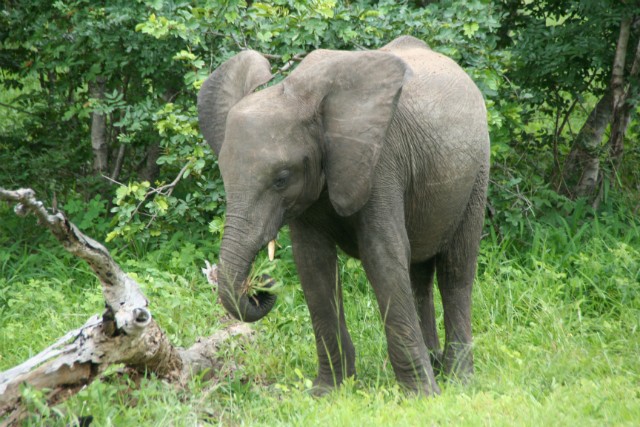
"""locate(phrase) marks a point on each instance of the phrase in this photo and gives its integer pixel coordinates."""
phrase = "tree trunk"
(99, 141)
(582, 167)
(622, 104)
(151, 169)
(582, 176)
(617, 86)
(117, 168)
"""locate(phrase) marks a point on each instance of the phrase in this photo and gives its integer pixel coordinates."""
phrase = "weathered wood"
(125, 334)
(121, 293)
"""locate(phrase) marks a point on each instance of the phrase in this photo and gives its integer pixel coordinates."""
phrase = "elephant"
(383, 154)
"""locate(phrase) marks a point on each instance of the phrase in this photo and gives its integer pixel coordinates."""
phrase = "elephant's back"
(441, 118)
(442, 100)
(429, 67)
(441, 122)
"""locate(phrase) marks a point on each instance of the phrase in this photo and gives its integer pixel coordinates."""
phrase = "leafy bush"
(466, 31)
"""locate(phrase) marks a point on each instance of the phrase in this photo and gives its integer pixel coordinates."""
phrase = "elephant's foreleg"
(316, 258)
(384, 250)
(422, 275)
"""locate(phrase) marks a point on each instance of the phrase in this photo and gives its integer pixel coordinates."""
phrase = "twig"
(119, 159)
(170, 187)
(298, 57)
(20, 110)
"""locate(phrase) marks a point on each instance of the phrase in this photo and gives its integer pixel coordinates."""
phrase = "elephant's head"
(323, 127)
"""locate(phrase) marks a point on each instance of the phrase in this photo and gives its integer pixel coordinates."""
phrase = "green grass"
(555, 323)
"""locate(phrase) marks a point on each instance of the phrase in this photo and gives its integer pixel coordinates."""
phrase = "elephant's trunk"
(235, 263)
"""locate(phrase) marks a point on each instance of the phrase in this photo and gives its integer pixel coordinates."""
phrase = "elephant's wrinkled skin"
(383, 153)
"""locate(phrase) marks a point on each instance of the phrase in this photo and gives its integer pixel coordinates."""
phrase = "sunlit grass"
(555, 325)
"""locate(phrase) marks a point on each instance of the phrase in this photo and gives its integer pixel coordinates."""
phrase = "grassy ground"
(556, 322)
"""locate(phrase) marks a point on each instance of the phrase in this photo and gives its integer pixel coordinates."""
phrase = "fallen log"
(125, 333)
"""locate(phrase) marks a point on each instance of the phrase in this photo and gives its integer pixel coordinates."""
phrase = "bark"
(117, 168)
(622, 104)
(99, 142)
(125, 333)
(617, 74)
(151, 169)
(582, 167)
(622, 107)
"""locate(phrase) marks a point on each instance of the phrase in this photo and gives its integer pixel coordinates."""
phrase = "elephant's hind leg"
(455, 269)
(454, 282)
(316, 258)
(422, 284)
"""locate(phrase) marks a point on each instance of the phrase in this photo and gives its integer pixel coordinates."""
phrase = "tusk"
(271, 248)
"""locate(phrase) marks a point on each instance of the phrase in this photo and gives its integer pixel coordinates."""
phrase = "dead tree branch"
(126, 332)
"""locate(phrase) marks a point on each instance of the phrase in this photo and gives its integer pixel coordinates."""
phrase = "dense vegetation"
(98, 115)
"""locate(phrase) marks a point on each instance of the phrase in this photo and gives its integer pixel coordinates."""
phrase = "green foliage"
(540, 65)
(283, 30)
(144, 211)
(557, 297)
(562, 57)
(87, 215)
(54, 56)
(564, 46)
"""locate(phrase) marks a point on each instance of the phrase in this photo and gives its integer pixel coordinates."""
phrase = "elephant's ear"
(228, 84)
(356, 95)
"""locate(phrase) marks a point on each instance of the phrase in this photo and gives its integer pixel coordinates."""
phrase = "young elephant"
(383, 153)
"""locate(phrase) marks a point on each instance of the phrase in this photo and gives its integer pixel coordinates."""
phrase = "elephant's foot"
(417, 377)
(324, 385)
(458, 363)
(320, 388)
(458, 376)
(437, 361)
(425, 387)
(333, 370)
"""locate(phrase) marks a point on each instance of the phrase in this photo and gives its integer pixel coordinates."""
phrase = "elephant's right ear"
(228, 84)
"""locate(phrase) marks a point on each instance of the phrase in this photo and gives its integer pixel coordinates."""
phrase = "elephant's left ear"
(228, 84)
(356, 94)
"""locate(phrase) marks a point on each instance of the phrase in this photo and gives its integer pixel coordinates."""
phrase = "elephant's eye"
(282, 179)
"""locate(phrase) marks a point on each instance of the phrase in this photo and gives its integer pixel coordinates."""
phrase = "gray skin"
(384, 154)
